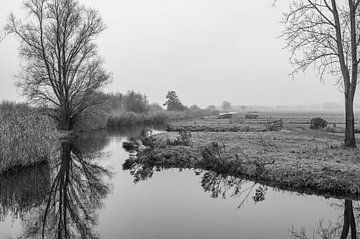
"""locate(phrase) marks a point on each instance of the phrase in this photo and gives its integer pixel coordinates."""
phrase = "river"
(85, 193)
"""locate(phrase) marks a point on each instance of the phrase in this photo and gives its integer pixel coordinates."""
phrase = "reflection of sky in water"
(10, 228)
(174, 205)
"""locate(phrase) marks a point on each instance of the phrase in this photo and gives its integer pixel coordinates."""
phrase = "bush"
(318, 123)
(26, 136)
(183, 139)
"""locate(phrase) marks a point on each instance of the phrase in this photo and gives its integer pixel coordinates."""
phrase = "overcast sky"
(206, 50)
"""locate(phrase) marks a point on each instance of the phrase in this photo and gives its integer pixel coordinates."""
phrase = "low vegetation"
(124, 118)
(133, 108)
(235, 124)
(26, 136)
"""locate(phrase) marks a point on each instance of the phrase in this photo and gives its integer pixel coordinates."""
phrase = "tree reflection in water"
(344, 228)
(230, 186)
(218, 185)
(225, 186)
(77, 190)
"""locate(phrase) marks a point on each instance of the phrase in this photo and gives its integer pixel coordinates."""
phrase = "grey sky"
(206, 50)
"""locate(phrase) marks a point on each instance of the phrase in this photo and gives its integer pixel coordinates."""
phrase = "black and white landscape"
(179, 119)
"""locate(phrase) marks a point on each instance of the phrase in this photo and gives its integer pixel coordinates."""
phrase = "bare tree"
(61, 70)
(325, 33)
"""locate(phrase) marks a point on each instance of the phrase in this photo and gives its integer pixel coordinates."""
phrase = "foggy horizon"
(229, 51)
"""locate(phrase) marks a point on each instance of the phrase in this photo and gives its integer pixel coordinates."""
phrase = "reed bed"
(118, 119)
(26, 136)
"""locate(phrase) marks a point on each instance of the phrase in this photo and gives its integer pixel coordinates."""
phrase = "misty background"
(207, 51)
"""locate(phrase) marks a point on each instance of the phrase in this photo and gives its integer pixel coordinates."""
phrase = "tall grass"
(118, 119)
(26, 136)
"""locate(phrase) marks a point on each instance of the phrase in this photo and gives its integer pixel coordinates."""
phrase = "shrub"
(318, 123)
(26, 136)
(184, 139)
(213, 157)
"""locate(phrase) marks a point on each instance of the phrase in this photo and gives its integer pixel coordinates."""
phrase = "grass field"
(294, 158)
(295, 121)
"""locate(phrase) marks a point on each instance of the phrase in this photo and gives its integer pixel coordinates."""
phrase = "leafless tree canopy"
(311, 34)
(325, 33)
(61, 70)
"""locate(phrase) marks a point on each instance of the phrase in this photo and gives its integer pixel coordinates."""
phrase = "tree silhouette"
(62, 71)
(173, 102)
(77, 191)
(325, 33)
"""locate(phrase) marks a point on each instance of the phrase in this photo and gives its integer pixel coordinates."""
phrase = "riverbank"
(284, 159)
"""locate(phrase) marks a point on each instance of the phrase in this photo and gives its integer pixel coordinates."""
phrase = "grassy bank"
(118, 119)
(286, 160)
(26, 136)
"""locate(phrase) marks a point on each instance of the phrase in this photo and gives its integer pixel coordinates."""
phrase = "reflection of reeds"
(26, 136)
(22, 189)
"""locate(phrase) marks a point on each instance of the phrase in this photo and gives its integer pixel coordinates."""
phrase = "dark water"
(85, 193)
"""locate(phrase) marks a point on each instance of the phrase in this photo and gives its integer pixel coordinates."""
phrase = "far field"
(292, 121)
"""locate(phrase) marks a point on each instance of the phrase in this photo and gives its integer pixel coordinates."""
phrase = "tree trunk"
(349, 122)
(346, 224)
(65, 120)
(348, 203)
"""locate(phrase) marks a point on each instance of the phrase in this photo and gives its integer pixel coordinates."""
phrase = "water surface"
(85, 192)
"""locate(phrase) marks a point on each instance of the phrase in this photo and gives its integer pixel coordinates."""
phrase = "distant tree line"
(138, 103)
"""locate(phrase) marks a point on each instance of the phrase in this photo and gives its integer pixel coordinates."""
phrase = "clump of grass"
(26, 136)
(184, 139)
(213, 158)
